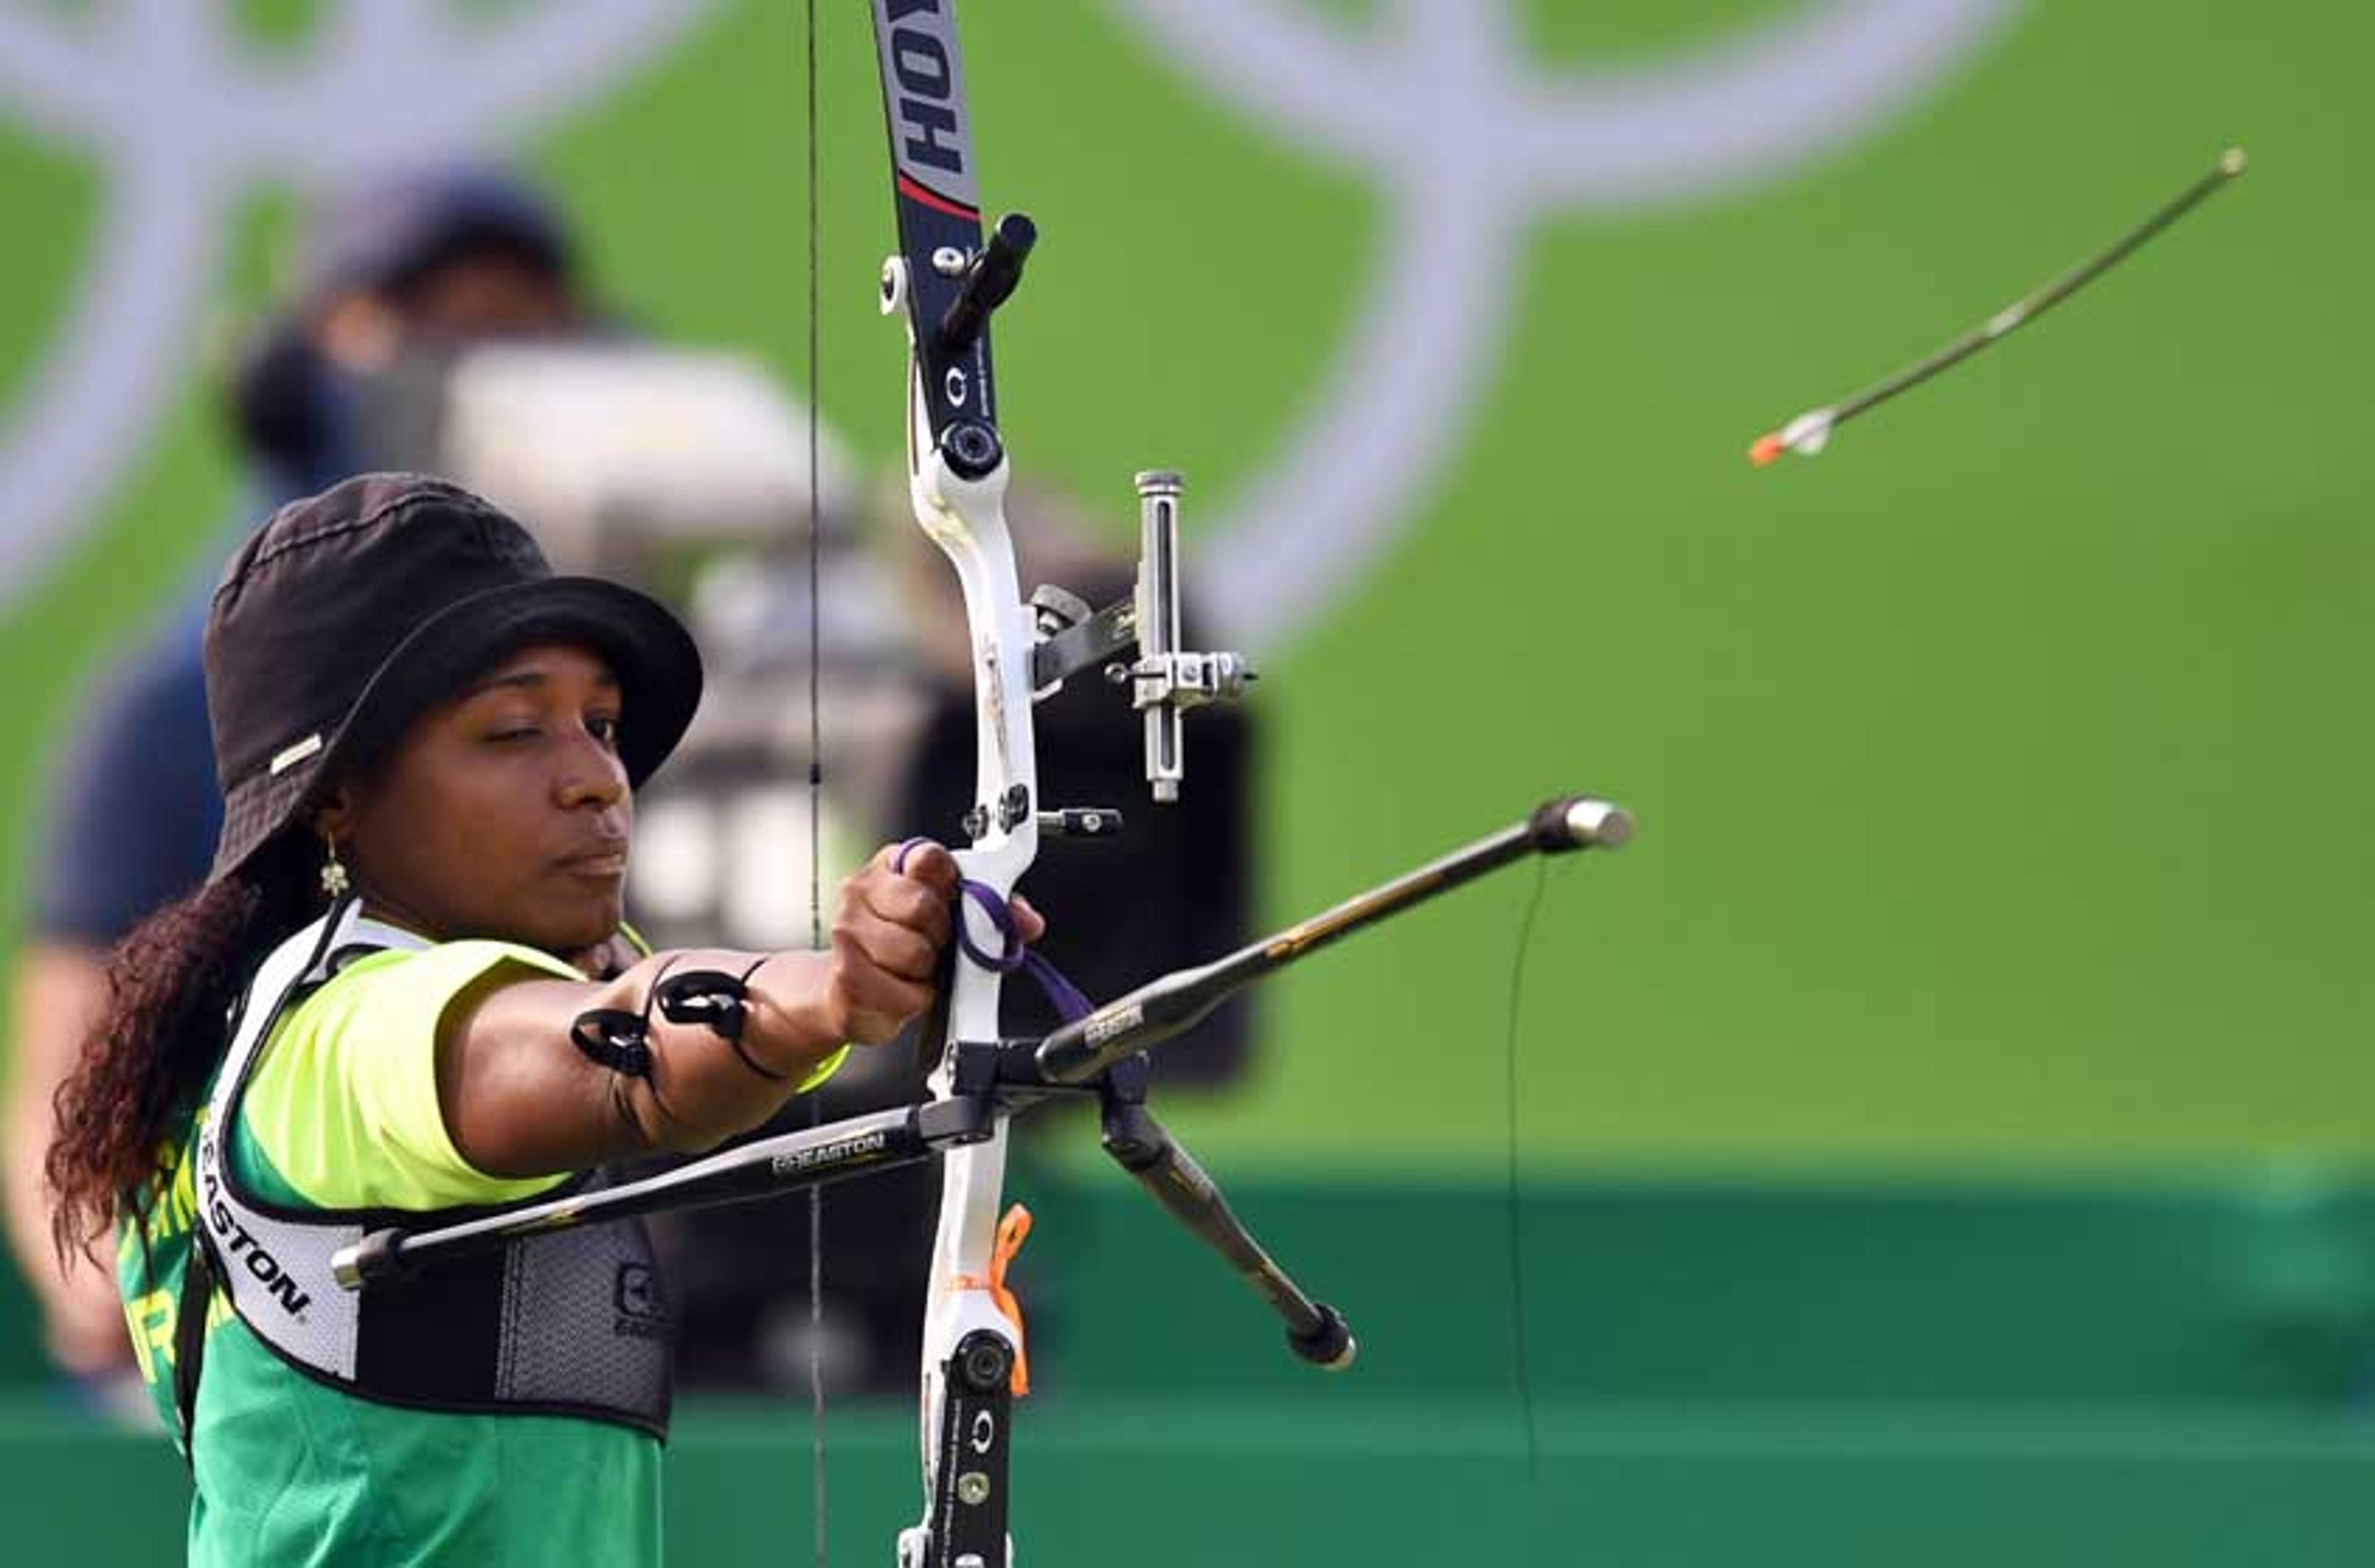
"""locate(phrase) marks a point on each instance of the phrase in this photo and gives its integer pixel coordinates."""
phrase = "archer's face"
(504, 811)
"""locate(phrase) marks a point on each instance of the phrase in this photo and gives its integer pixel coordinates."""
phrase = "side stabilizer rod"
(1156, 1159)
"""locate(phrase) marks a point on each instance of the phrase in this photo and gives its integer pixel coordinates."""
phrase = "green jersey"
(342, 1112)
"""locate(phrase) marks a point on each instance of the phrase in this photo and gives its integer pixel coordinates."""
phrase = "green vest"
(289, 1471)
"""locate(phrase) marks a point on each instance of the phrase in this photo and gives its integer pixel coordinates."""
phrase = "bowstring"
(1521, 1357)
(816, 795)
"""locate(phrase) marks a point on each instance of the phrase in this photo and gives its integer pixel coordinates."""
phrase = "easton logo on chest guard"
(239, 1245)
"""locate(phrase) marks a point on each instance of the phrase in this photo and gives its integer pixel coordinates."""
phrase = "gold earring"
(335, 881)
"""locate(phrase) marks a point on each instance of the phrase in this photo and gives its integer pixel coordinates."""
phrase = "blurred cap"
(380, 235)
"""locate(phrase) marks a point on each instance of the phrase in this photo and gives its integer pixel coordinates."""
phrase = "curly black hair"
(170, 986)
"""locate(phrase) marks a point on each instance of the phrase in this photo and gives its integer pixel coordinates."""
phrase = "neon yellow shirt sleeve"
(343, 1106)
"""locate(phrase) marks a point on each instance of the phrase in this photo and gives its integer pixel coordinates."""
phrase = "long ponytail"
(171, 985)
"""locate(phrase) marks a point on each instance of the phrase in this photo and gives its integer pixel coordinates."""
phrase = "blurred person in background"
(418, 262)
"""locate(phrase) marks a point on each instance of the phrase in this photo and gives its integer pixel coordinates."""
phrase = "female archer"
(405, 989)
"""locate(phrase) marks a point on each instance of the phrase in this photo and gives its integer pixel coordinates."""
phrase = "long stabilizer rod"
(1162, 1008)
(1810, 431)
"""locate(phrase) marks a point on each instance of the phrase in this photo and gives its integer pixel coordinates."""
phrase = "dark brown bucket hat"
(352, 612)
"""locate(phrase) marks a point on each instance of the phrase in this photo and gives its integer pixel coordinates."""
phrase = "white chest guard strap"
(569, 1323)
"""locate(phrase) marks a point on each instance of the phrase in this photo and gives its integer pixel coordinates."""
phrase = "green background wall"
(1999, 772)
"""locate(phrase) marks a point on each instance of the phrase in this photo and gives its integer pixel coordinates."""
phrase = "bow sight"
(952, 387)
